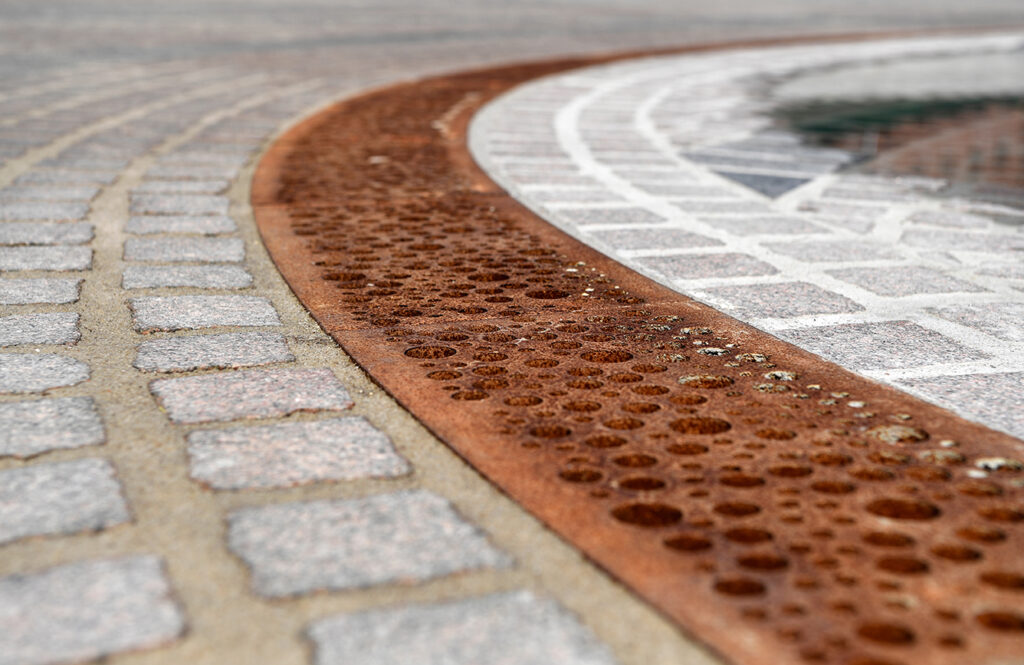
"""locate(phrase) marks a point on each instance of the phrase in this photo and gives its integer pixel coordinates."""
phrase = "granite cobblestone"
(34, 427)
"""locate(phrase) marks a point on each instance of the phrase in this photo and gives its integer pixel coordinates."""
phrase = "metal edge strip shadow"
(775, 506)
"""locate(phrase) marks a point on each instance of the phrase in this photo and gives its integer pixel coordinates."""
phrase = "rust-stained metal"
(775, 506)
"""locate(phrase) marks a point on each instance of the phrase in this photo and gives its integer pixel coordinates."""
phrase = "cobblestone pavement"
(674, 166)
(190, 470)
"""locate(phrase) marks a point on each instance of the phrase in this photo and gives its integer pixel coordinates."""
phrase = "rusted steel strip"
(776, 506)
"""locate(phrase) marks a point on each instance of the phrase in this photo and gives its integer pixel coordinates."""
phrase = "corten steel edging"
(807, 530)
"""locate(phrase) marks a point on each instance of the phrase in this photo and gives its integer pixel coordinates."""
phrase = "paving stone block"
(55, 328)
(885, 345)
(515, 628)
(994, 399)
(763, 225)
(193, 172)
(181, 187)
(203, 277)
(896, 281)
(833, 251)
(39, 291)
(31, 428)
(200, 250)
(653, 238)
(702, 266)
(34, 373)
(576, 196)
(29, 210)
(1004, 320)
(949, 218)
(86, 610)
(400, 538)
(66, 177)
(779, 300)
(45, 258)
(64, 193)
(189, 312)
(293, 454)
(59, 499)
(1000, 243)
(250, 394)
(722, 207)
(179, 224)
(177, 354)
(609, 216)
(179, 204)
(45, 233)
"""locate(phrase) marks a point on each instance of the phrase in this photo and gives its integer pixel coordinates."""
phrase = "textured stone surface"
(181, 187)
(18, 210)
(516, 628)
(45, 233)
(176, 354)
(833, 251)
(762, 224)
(995, 399)
(779, 300)
(206, 277)
(61, 498)
(898, 281)
(701, 266)
(200, 250)
(293, 454)
(33, 373)
(187, 312)
(1004, 320)
(250, 394)
(177, 224)
(58, 193)
(886, 345)
(653, 238)
(66, 176)
(404, 537)
(86, 610)
(179, 204)
(37, 291)
(31, 428)
(610, 216)
(54, 328)
(45, 258)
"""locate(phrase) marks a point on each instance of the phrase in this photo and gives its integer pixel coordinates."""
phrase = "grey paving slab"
(86, 610)
(197, 250)
(702, 266)
(726, 207)
(963, 241)
(45, 258)
(39, 291)
(949, 218)
(38, 426)
(208, 277)
(176, 354)
(771, 186)
(207, 225)
(250, 394)
(181, 187)
(515, 628)
(18, 210)
(609, 216)
(192, 172)
(653, 238)
(49, 328)
(66, 177)
(995, 399)
(189, 312)
(45, 233)
(59, 499)
(748, 225)
(293, 454)
(1004, 320)
(779, 300)
(896, 281)
(179, 204)
(34, 373)
(399, 538)
(57, 193)
(885, 345)
(833, 251)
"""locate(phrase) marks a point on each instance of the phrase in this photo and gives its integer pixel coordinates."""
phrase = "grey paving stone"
(179, 204)
(610, 216)
(949, 218)
(886, 345)
(59, 499)
(52, 328)
(192, 172)
(293, 454)
(400, 538)
(66, 176)
(38, 291)
(896, 281)
(250, 394)
(701, 266)
(514, 628)
(780, 300)
(724, 207)
(86, 610)
(994, 399)
(189, 312)
(182, 187)
(761, 224)
(575, 196)
(17, 210)
(670, 189)
(204, 277)
(653, 238)
(832, 251)
(45, 258)
(34, 373)
(31, 428)
(963, 241)
(45, 233)
(771, 186)
(201, 250)
(856, 218)
(1007, 271)
(178, 224)
(1004, 320)
(176, 354)
(64, 193)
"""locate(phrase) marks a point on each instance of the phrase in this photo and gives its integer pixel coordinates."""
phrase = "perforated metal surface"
(775, 506)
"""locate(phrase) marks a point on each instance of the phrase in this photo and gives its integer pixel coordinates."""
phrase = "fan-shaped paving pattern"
(828, 532)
